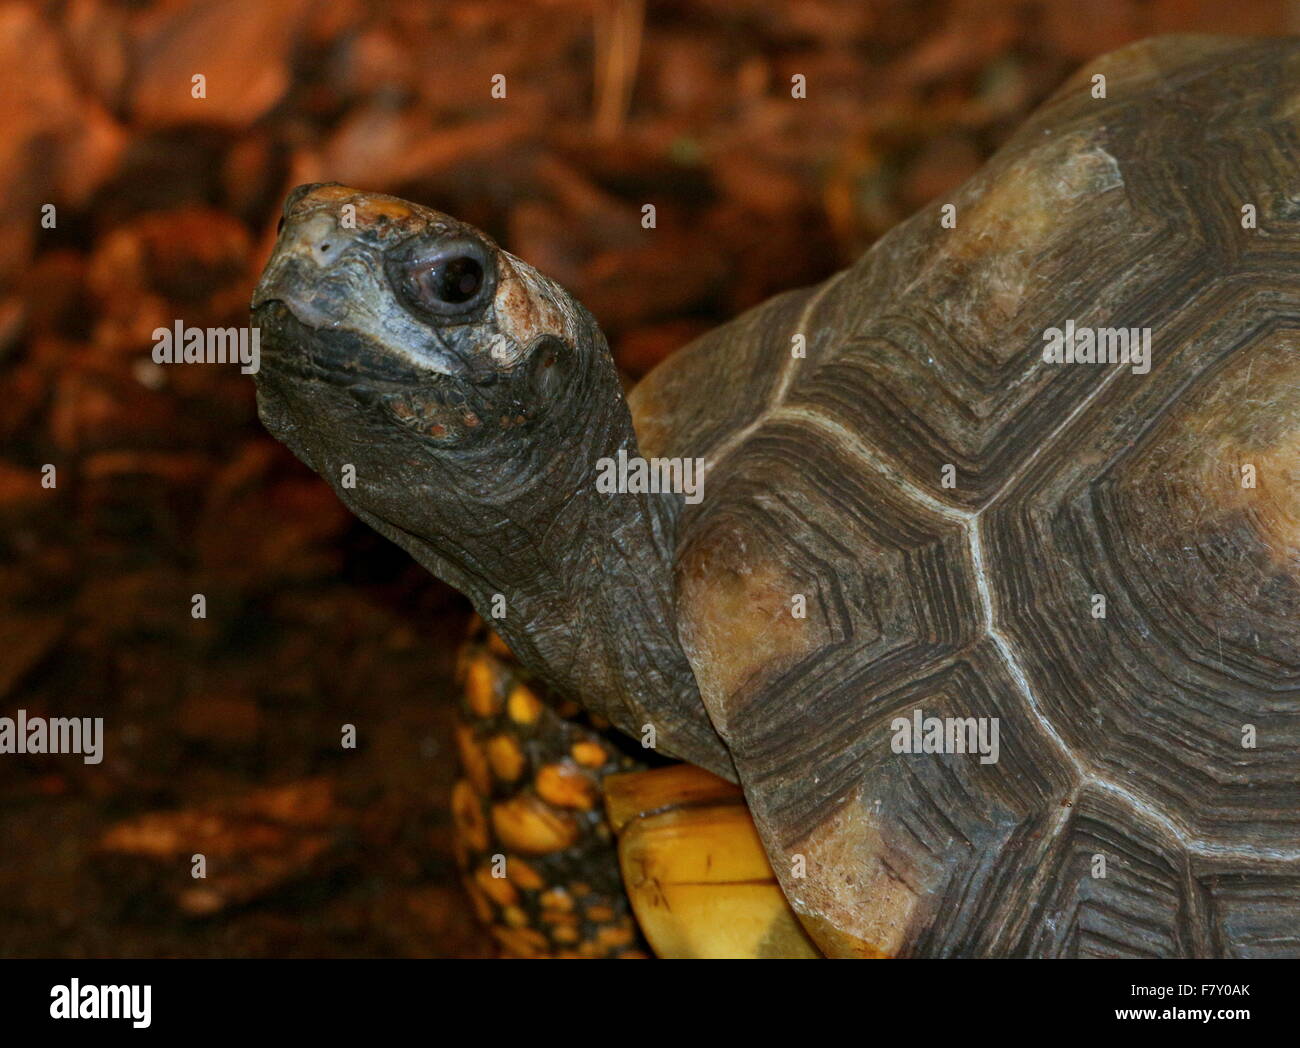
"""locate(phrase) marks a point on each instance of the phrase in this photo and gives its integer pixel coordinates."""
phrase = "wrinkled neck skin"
(590, 604)
(586, 576)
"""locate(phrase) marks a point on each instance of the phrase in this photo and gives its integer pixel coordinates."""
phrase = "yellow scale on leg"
(536, 812)
(535, 849)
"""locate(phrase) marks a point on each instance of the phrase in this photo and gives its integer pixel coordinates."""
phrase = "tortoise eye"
(454, 281)
(451, 279)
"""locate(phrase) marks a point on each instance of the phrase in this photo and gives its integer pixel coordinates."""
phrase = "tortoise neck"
(602, 619)
(578, 579)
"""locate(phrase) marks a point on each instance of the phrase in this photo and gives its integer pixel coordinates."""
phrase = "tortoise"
(976, 566)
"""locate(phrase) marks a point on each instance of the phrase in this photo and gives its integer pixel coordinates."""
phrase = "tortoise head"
(460, 403)
(416, 332)
(459, 385)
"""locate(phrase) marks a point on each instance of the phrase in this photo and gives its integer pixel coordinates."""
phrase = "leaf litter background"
(222, 735)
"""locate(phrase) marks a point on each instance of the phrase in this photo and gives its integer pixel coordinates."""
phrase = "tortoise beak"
(302, 271)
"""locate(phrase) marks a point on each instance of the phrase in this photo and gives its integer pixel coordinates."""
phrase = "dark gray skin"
(474, 397)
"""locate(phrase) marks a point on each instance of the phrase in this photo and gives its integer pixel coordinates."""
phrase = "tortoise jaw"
(302, 308)
(431, 405)
(340, 356)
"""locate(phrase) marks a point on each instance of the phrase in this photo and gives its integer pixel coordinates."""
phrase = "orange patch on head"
(371, 208)
(327, 195)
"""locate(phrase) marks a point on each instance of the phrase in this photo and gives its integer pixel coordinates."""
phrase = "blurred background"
(225, 730)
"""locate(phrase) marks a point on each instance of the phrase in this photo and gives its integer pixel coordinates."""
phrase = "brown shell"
(1121, 737)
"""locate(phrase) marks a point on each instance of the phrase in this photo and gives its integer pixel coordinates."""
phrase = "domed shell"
(927, 503)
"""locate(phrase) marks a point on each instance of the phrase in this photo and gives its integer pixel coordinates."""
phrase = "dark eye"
(456, 280)
(447, 279)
